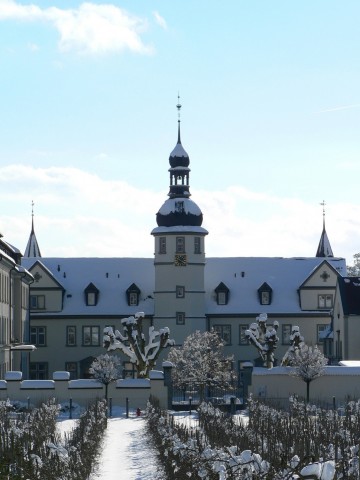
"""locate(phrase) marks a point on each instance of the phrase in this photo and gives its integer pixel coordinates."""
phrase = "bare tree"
(308, 364)
(106, 369)
(296, 342)
(354, 270)
(264, 338)
(201, 361)
(134, 345)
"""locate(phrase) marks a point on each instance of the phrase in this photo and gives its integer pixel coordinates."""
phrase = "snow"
(61, 375)
(170, 206)
(125, 452)
(13, 375)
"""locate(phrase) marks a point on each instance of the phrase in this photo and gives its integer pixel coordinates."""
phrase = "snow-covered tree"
(264, 338)
(296, 342)
(106, 369)
(354, 270)
(201, 361)
(308, 363)
(133, 343)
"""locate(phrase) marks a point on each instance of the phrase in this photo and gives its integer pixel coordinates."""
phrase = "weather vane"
(178, 106)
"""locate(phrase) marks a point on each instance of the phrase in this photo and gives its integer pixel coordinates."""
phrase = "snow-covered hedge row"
(306, 442)
(32, 449)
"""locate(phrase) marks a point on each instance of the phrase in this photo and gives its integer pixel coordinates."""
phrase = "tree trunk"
(307, 390)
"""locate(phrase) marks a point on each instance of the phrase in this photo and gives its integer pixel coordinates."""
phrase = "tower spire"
(178, 106)
(32, 247)
(324, 248)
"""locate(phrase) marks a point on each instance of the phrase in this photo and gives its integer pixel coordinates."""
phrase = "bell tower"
(179, 253)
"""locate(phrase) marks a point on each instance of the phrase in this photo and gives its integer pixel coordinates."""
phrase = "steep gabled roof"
(32, 248)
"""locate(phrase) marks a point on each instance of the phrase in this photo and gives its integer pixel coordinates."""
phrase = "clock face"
(180, 260)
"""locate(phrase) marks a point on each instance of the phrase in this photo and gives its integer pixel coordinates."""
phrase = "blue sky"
(270, 119)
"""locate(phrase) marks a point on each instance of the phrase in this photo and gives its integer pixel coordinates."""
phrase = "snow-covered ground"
(126, 453)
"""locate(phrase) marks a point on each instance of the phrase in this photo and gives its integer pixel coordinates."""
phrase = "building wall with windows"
(70, 338)
(14, 311)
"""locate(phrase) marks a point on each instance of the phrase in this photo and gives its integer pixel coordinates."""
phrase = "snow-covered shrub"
(142, 352)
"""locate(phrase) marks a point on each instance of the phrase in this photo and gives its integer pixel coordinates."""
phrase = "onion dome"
(176, 211)
(179, 209)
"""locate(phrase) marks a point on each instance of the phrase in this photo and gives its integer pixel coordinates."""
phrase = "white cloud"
(89, 29)
(160, 20)
(81, 214)
(340, 107)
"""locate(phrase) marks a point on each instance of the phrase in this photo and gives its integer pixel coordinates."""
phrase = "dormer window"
(222, 294)
(91, 295)
(133, 295)
(265, 294)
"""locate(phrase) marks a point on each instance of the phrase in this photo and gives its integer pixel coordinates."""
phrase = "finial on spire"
(178, 106)
(32, 215)
(323, 205)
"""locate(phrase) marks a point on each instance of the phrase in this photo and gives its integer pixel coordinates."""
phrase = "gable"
(323, 276)
(43, 278)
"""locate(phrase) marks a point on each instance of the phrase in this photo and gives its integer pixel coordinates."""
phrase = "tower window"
(180, 318)
(162, 245)
(180, 291)
(197, 245)
(180, 244)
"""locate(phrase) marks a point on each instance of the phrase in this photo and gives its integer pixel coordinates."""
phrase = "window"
(265, 294)
(321, 329)
(129, 370)
(133, 294)
(162, 245)
(91, 336)
(286, 333)
(197, 245)
(91, 295)
(180, 244)
(91, 299)
(133, 299)
(222, 294)
(180, 291)
(38, 336)
(325, 301)
(243, 340)
(180, 318)
(71, 336)
(224, 332)
(38, 370)
(265, 298)
(37, 302)
(71, 367)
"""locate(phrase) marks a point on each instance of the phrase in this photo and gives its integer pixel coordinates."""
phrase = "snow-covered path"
(125, 452)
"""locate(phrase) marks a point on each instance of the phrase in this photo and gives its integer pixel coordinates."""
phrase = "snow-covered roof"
(242, 275)
(171, 206)
(111, 276)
